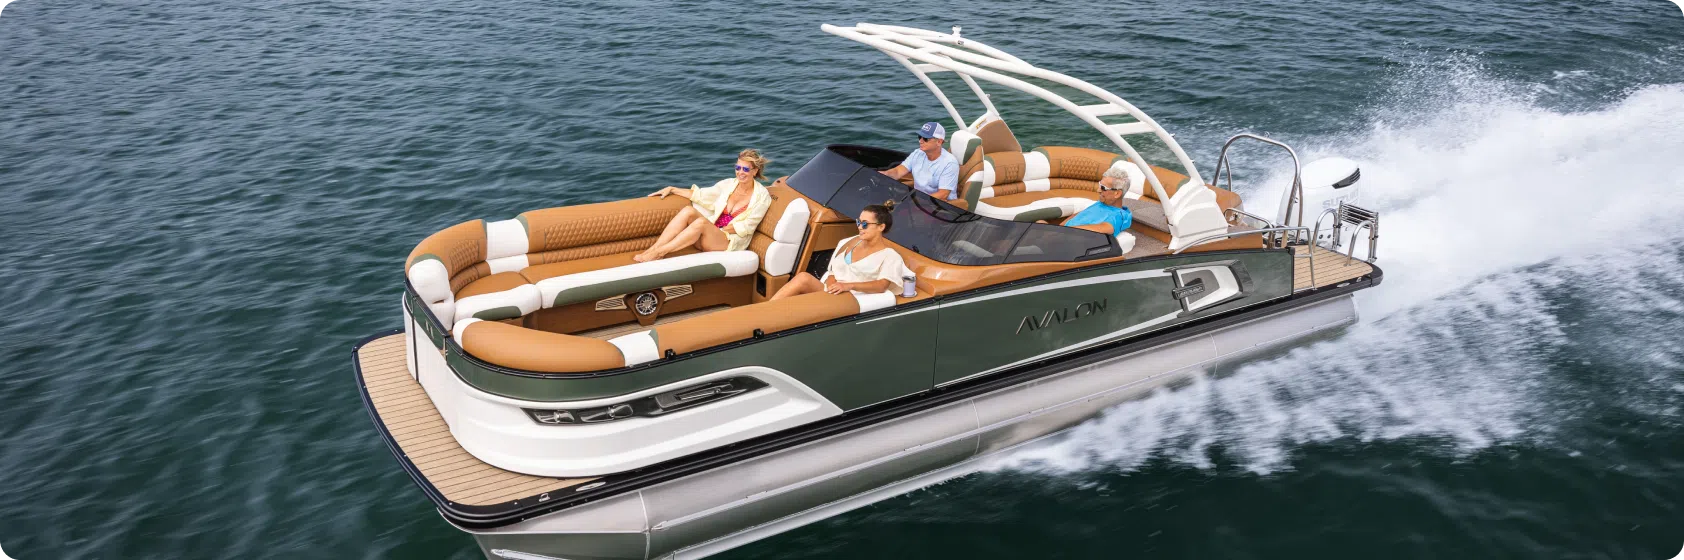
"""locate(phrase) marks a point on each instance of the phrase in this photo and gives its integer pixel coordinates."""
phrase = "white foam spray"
(1489, 203)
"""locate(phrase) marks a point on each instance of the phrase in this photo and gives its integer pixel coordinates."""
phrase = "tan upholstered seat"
(538, 273)
(505, 295)
(593, 285)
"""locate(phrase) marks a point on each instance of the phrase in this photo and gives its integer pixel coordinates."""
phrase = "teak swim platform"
(557, 399)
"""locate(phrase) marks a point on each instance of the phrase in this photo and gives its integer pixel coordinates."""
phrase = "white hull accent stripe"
(1080, 345)
(1141, 275)
(893, 315)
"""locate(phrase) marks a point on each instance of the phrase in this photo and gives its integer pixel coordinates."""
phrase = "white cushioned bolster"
(508, 264)
(597, 284)
(430, 279)
(504, 239)
(1037, 185)
(637, 347)
(780, 258)
(793, 223)
(507, 304)
(737, 263)
(461, 328)
(959, 140)
(1073, 205)
(873, 302)
(1068, 206)
(444, 311)
(1036, 166)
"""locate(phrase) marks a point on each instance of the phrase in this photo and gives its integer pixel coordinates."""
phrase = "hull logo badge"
(1061, 316)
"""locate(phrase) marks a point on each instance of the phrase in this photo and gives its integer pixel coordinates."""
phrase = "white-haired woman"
(719, 218)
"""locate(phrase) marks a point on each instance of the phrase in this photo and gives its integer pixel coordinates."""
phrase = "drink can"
(909, 286)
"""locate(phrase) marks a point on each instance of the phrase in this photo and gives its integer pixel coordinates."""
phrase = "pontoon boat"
(557, 399)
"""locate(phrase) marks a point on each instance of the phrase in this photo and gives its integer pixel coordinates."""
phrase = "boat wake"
(1514, 239)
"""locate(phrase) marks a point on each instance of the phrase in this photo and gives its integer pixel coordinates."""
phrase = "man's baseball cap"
(932, 130)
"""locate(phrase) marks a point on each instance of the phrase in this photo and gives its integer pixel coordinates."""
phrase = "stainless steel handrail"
(1297, 196)
(1257, 221)
(1204, 239)
(1258, 218)
(1282, 230)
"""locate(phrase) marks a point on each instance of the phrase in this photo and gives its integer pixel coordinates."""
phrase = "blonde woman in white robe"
(719, 218)
(864, 263)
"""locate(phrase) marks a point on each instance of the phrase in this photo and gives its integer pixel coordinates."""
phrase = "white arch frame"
(941, 52)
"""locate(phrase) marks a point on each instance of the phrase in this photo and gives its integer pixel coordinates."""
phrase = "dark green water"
(206, 203)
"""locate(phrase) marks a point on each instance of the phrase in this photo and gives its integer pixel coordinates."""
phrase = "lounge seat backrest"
(436, 264)
(778, 237)
(1044, 169)
(966, 148)
(998, 138)
(593, 230)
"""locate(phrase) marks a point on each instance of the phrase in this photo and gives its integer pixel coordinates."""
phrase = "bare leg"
(674, 227)
(685, 238)
(801, 283)
(712, 239)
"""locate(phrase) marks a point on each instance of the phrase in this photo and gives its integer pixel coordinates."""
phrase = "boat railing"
(1294, 195)
(1238, 216)
(1278, 237)
(1287, 236)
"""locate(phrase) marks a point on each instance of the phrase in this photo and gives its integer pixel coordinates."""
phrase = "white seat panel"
(598, 284)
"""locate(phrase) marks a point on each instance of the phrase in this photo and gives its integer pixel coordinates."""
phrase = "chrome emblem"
(646, 303)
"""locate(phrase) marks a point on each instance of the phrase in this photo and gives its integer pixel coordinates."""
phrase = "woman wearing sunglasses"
(719, 218)
(863, 263)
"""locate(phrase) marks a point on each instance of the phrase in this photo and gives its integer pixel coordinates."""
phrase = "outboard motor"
(1327, 182)
(1331, 184)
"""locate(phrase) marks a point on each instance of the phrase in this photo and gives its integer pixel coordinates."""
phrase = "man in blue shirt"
(1107, 216)
(934, 170)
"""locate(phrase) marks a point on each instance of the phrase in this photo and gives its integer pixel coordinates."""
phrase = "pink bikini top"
(724, 220)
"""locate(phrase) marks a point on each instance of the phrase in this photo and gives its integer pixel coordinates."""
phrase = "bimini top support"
(922, 52)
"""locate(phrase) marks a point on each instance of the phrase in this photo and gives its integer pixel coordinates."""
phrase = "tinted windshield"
(846, 179)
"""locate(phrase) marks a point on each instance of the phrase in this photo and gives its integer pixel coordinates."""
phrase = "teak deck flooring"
(1330, 268)
(421, 433)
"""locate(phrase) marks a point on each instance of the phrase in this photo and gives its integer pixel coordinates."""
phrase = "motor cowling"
(1327, 182)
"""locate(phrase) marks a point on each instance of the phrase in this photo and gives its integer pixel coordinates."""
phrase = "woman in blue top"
(1107, 216)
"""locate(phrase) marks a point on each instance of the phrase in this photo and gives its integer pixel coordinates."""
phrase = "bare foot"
(644, 257)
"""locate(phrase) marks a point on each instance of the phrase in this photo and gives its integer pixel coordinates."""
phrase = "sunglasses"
(922, 139)
(864, 224)
(745, 169)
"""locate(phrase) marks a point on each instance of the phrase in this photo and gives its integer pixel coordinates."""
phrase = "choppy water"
(205, 204)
